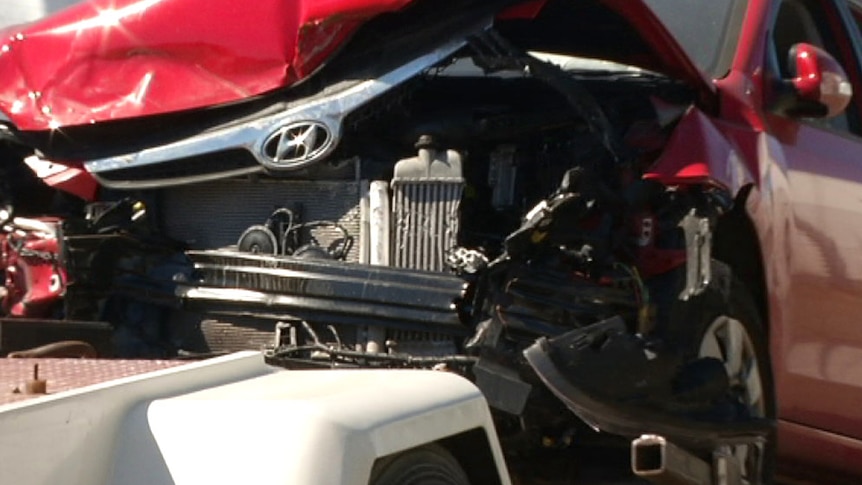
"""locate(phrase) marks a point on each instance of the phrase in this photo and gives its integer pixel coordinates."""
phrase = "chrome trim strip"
(330, 110)
(170, 182)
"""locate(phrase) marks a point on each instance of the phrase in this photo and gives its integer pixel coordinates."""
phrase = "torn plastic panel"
(616, 382)
(707, 441)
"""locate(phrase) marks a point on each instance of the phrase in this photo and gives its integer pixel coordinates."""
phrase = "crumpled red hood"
(114, 59)
(110, 59)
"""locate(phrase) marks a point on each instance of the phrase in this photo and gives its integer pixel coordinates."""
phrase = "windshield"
(707, 31)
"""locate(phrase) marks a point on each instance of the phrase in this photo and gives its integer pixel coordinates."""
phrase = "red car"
(586, 203)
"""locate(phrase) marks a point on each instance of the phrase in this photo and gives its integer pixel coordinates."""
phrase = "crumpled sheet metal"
(112, 59)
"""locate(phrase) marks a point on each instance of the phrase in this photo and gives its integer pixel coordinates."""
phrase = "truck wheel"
(723, 323)
(428, 465)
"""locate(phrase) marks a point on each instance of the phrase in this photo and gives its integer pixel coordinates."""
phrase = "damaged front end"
(474, 193)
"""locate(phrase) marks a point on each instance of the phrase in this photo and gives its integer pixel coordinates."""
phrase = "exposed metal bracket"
(698, 249)
(661, 462)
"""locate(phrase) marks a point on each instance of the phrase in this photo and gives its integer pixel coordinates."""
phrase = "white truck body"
(236, 420)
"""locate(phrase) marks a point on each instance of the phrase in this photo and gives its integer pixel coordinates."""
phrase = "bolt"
(36, 386)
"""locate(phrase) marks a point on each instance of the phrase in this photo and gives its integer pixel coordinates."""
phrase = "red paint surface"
(805, 208)
(35, 281)
(114, 59)
(699, 153)
(68, 178)
(813, 455)
(526, 10)
(808, 79)
(110, 59)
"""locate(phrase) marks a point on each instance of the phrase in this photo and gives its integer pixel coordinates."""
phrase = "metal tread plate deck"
(66, 374)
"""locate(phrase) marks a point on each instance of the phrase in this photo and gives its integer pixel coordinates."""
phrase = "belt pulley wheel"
(258, 239)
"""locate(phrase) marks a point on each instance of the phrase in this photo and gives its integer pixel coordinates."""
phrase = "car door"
(817, 353)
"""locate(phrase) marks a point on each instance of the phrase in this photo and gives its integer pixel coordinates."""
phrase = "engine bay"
(480, 218)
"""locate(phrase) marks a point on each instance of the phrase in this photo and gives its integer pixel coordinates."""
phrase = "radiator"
(214, 214)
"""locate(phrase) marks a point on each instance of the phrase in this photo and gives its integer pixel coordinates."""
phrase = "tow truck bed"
(66, 374)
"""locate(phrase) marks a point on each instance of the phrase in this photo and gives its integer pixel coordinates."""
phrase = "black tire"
(428, 465)
(723, 322)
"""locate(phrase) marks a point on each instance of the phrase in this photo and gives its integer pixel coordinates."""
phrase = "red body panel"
(109, 59)
(805, 208)
(114, 59)
(70, 179)
(699, 153)
(35, 281)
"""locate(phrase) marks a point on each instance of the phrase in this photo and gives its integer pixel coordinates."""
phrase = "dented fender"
(699, 153)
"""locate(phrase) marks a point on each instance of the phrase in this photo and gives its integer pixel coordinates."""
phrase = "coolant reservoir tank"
(430, 164)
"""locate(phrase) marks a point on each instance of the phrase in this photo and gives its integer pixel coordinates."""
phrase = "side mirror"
(818, 84)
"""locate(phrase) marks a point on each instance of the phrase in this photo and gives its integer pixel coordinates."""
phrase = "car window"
(816, 22)
(710, 41)
(855, 9)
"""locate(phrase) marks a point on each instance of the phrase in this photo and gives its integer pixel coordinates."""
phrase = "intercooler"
(426, 194)
(425, 216)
